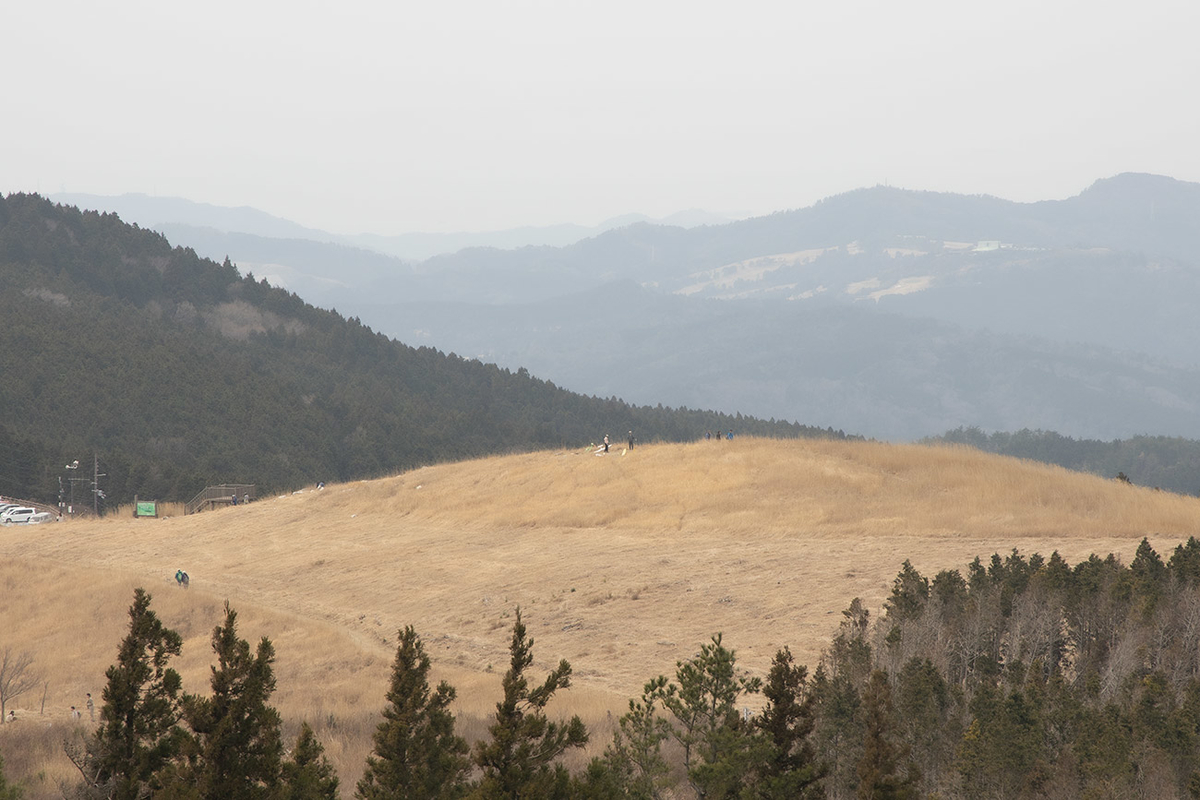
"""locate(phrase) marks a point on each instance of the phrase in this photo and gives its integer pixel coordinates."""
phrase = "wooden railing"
(222, 495)
(48, 508)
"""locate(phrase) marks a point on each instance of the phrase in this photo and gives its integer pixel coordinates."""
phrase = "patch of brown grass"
(623, 564)
(33, 755)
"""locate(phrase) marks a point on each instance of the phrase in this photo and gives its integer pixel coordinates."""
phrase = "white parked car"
(40, 517)
(18, 514)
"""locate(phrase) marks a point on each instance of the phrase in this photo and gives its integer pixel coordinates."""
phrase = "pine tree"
(517, 761)
(877, 769)
(715, 740)
(1003, 745)
(237, 748)
(308, 775)
(910, 590)
(139, 733)
(417, 754)
(787, 767)
(922, 701)
(634, 760)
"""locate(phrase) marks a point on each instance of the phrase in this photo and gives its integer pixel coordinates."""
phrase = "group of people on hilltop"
(708, 436)
(606, 443)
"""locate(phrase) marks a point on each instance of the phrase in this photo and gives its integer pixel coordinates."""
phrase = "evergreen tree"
(308, 775)
(716, 742)
(1003, 746)
(849, 653)
(838, 731)
(922, 703)
(517, 761)
(1146, 577)
(787, 765)
(910, 590)
(877, 769)
(139, 733)
(417, 754)
(236, 748)
(634, 759)
(600, 781)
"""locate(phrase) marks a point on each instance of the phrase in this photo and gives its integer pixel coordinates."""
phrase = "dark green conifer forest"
(1169, 463)
(178, 372)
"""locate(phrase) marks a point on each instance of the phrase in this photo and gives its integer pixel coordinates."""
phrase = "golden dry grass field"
(622, 564)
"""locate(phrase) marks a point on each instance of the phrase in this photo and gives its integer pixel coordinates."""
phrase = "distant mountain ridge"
(1099, 289)
(178, 215)
(1159, 217)
(423, 246)
(1082, 311)
(879, 373)
(149, 211)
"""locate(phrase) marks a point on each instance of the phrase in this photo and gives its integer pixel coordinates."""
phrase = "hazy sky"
(391, 117)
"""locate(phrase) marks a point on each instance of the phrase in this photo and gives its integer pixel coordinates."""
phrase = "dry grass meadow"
(622, 564)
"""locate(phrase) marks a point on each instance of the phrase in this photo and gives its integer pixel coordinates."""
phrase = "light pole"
(73, 466)
(97, 495)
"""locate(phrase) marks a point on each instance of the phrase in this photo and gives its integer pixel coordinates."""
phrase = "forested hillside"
(1025, 677)
(179, 372)
(1162, 462)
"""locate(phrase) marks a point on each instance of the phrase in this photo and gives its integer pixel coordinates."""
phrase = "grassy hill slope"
(623, 564)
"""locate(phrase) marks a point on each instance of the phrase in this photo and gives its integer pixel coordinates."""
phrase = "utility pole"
(96, 476)
(74, 479)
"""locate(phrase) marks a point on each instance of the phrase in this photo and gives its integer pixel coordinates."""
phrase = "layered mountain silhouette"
(894, 313)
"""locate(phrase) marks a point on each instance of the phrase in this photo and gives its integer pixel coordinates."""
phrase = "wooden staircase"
(213, 496)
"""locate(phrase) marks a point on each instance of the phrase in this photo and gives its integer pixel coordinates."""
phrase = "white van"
(17, 514)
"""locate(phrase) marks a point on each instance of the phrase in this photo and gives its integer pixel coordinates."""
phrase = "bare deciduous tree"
(16, 678)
